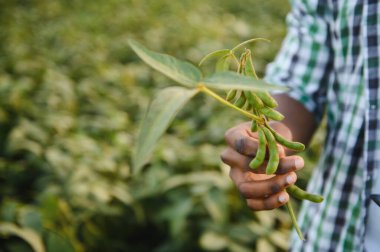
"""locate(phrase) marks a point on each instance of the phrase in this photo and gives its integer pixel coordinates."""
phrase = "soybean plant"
(246, 94)
(262, 105)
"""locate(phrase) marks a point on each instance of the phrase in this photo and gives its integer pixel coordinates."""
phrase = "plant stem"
(294, 220)
(208, 92)
(248, 41)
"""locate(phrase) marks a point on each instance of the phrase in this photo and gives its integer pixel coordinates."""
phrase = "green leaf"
(28, 235)
(223, 64)
(57, 243)
(213, 241)
(9, 211)
(231, 80)
(30, 218)
(211, 178)
(216, 54)
(160, 113)
(181, 71)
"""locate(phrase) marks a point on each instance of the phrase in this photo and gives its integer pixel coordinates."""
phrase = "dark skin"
(261, 191)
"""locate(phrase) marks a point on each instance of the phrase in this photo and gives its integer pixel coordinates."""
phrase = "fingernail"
(299, 163)
(282, 198)
(290, 179)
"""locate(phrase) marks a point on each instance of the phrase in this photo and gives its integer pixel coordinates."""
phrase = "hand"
(261, 191)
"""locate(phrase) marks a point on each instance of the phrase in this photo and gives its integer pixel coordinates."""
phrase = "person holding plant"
(330, 60)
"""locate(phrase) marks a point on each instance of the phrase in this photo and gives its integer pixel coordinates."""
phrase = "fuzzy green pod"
(261, 151)
(241, 101)
(249, 68)
(258, 103)
(254, 126)
(272, 114)
(296, 146)
(274, 157)
(267, 99)
(231, 95)
(223, 64)
(254, 100)
(298, 193)
(242, 63)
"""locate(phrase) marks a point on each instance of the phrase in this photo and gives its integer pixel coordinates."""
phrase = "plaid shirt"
(330, 59)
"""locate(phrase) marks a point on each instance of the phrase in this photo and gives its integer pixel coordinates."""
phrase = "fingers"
(237, 176)
(234, 159)
(290, 164)
(265, 188)
(287, 163)
(239, 139)
(245, 142)
(262, 192)
(272, 202)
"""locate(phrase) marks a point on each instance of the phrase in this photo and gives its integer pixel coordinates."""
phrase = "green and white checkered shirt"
(330, 59)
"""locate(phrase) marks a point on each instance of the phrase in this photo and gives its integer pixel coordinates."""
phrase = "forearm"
(297, 118)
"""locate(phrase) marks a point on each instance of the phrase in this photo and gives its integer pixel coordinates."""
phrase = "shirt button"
(372, 106)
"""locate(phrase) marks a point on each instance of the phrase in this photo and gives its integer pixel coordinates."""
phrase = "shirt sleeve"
(304, 63)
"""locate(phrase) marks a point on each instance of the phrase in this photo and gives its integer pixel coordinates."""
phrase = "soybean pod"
(231, 95)
(267, 99)
(242, 63)
(296, 146)
(249, 68)
(300, 194)
(274, 157)
(254, 100)
(254, 126)
(248, 94)
(240, 101)
(263, 96)
(258, 103)
(272, 114)
(261, 150)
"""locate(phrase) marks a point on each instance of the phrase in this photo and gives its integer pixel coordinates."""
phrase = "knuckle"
(228, 134)
(268, 205)
(244, 190)
(275, 188)
(240, 145)
(286, 165)
(281, 169)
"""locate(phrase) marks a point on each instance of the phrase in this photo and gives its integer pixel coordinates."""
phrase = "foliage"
(70, 92)
(169, 101)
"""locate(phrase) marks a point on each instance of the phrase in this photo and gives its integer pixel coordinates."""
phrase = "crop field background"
(72, 94)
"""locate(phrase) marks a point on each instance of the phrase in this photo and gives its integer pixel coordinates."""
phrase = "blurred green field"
(71, 96)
